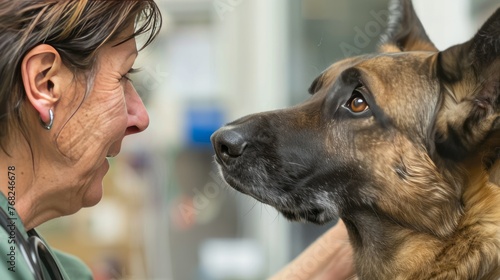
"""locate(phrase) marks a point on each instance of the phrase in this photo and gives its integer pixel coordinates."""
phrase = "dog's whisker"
(251, 208)
(276, 217)
(297, 164)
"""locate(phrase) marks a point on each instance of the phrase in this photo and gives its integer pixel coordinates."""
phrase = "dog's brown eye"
(357, 104)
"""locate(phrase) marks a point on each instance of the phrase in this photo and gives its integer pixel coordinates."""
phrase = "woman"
(66, 103)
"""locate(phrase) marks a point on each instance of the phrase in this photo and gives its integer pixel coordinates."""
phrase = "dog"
(403, 145)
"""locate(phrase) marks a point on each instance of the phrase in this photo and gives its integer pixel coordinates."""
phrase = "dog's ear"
(404, 31)
(468, 119)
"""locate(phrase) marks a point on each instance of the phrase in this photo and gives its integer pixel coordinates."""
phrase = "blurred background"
(165, 213)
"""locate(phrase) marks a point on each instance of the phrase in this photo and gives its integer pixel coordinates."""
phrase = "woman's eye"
(126, 77)
(357, 104)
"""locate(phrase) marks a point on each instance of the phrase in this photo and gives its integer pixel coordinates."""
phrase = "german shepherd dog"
(403, 145)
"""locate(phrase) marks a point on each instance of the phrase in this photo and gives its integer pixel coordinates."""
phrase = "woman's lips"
(112, 154)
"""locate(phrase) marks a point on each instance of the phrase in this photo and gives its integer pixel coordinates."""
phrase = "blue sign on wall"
(201, 122)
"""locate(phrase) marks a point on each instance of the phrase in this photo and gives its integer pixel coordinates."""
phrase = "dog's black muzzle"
(267, 157)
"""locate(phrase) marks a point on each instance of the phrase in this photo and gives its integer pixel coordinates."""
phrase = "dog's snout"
(228, 143)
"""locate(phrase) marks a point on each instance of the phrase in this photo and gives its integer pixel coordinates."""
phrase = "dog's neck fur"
(381, 244)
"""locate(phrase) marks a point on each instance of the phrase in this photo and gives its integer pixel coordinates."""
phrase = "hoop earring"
(48, 126)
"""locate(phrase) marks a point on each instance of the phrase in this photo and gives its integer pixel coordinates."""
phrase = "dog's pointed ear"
(469, 116)
(404, 30)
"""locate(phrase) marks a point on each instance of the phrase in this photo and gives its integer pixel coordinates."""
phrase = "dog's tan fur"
(415, 177)
(469, 251)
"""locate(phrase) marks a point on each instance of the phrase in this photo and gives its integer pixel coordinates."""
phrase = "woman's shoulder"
(73, 266)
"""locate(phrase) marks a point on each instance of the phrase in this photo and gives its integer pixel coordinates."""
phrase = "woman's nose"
(138, 118)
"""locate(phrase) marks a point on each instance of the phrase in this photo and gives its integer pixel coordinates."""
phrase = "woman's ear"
(42, 72)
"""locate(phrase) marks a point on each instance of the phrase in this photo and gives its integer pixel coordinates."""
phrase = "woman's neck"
(25, 191)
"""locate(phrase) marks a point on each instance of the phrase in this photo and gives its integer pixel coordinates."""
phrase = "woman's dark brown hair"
(77, 29)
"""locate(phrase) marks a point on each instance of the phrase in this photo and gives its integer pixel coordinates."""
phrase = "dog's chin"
(315, 216)
(316, 208)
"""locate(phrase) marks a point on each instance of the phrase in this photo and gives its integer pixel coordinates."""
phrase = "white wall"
(447, 22)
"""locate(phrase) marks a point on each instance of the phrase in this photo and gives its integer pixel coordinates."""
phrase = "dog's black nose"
(228, 143)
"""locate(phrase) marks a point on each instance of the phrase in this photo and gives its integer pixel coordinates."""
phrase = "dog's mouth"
(237, 185)
(313, 215)
(245, 189)
(315, 207)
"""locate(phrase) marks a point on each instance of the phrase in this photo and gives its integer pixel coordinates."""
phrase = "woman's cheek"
(100, 121)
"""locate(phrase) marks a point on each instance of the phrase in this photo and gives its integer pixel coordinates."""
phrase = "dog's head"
(383, 134)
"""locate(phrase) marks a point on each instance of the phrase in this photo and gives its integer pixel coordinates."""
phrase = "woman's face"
(96, 126)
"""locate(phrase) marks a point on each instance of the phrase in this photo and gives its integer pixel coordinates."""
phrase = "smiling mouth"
(112, 154)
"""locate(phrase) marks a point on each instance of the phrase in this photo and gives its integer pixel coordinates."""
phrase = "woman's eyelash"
(133, 70)
(130, 71)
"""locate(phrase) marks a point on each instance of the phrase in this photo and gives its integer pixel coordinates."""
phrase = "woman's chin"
(94, 192)
(93, 196)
